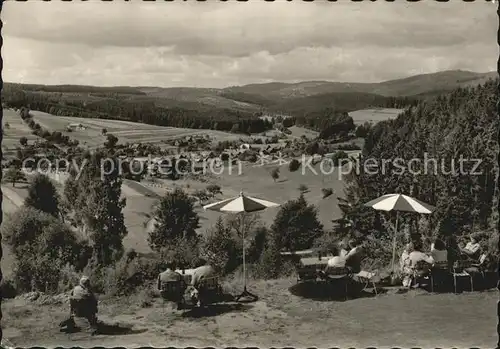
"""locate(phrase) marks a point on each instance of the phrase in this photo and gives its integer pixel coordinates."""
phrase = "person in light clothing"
(472, 249)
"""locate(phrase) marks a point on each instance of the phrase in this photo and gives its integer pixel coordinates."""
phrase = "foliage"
(23, 141)
(275, 174)
(94, 199)
(42, 195)
(214, 189)
(175, 218)
(293, 165)
(296, 225)
(327, 192)
(303, 188)
(185, 253)
(42, 246)
(463, 123)
(14, 175)
(221, 248)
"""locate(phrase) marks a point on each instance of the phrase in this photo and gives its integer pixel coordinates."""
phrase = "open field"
(126, 131)
(17, 129)
(374, 115)
(254, 181)
(281, 317)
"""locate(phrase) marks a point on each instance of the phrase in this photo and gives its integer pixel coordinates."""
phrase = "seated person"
(472, 249)
(404, 264)
(169, 276)
(355, 256)
(343, 246)
(439, 252)
(335, 264)
(83, 302)
(201, 273)
(418, 259)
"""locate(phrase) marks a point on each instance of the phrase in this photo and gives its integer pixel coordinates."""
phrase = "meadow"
(374, 115)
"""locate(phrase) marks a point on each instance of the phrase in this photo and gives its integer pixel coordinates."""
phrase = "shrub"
(303, 188)
(294, 165)
(220, 248)
(327, 192)
(179, 205)
(8, 289)
(185, 253)
(214, 189)
(296, 225)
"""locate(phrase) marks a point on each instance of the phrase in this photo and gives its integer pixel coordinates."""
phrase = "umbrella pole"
(394, 244)
(244, 253)
(245, 293)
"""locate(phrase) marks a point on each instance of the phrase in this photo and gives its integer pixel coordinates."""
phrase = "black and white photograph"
(249, 174)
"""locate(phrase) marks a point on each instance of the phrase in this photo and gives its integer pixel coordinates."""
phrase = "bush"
(185, 253)
(327, 192)
(220, 248)
(8, 289)
(294, 165)
(214, 189)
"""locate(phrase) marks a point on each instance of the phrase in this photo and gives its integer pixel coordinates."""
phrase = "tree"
(303, 188)
(296, 225)
(175, 218)
(42, 195)
(111, 141)
(104, 131)
(14, 175)
(214, 189)
(98, 207)
(220, 248)
(23, 141)
(201, 195)
(294, 165)
(275, 174)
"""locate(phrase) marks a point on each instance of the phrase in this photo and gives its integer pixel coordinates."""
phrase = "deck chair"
(173, 291)
(439, 271)
(459, 271)
(368, 278)
(209, 290)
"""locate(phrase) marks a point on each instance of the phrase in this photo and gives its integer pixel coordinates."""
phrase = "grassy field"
(282, 317)
(126, 131)
(374, 115)
(16, 129)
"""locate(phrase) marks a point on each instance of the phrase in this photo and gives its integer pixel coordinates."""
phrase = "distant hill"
(268, 98)
(415, 85)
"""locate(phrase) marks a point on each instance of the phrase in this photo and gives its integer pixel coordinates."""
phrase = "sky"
(219, 44)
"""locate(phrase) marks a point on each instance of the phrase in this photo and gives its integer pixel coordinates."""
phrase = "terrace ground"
(280, 318)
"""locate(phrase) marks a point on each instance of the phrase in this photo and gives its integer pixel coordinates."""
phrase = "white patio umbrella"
(241, 205)
(399, 202)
